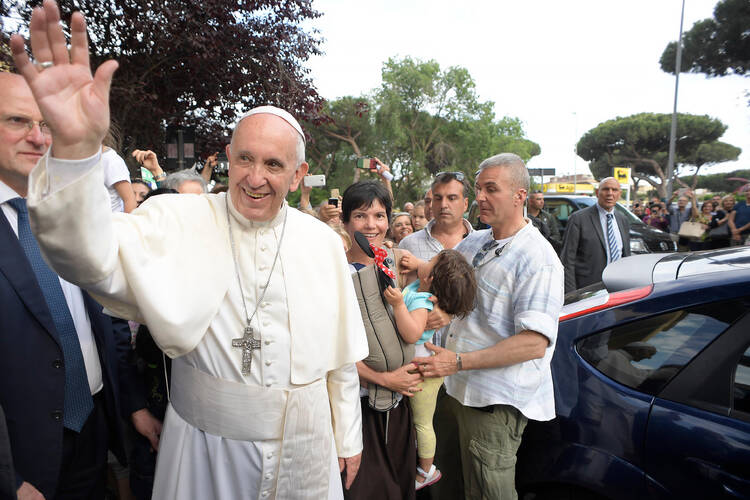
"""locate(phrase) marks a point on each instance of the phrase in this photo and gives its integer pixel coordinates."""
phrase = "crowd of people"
(224, 344)
(723, 222)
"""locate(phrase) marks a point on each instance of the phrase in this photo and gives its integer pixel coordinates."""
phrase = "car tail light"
(607, 301)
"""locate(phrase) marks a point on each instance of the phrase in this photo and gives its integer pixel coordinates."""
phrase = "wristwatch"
(459, 364)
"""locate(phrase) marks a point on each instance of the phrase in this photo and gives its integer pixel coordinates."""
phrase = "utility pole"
(673, 131)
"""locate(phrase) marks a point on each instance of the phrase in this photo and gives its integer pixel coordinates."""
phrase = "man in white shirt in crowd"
(497, 359)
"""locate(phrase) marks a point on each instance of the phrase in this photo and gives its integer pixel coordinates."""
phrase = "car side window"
(646, 354)
(560, 209)
(741, 387)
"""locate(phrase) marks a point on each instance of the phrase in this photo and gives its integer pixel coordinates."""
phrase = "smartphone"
(314, 180)
(333, 201)
(367, 163)
(335, 193)
(370, 163)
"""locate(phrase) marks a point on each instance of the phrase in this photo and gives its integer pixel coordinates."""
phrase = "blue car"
(652, 385)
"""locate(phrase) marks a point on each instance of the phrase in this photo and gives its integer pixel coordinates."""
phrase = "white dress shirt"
(74, 299)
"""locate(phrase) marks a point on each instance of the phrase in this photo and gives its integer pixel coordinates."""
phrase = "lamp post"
(673, 130)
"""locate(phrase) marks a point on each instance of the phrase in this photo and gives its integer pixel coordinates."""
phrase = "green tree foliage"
(642, 142)
(193, 62)
(716, 47)
(421, 120)
(720, 183)
(339, 133)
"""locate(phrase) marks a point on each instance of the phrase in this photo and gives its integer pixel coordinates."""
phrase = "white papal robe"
(147, 266)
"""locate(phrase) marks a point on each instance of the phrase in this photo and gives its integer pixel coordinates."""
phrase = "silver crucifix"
(248, 343)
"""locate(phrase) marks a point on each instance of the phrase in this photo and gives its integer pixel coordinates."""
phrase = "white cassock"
(274, 433)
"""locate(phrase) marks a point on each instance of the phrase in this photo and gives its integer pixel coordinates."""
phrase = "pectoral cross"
(248, 343)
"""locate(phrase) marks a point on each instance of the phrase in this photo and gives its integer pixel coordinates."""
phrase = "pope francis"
(264, 390)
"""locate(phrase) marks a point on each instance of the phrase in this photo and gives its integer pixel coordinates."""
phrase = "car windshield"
(587, 201)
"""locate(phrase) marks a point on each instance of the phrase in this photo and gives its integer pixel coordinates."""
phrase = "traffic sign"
(541, 171)
(622, 175)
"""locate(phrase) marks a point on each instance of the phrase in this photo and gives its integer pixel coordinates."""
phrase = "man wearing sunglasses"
(497, 359)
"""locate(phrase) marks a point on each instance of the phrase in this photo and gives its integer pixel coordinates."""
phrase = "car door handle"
(733, 485)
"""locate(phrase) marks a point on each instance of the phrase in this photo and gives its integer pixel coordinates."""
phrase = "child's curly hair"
(454, 283)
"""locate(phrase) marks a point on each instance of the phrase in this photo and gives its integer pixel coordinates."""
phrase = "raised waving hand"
(74, 103)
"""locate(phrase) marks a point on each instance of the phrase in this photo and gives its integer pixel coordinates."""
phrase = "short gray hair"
(177, 179)
(519, 175)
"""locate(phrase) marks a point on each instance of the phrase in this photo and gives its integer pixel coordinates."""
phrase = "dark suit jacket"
(32, 377)
(7, 476)
(584, 252)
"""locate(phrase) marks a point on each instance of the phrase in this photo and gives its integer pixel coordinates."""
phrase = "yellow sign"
(622, 175)
(568, 188)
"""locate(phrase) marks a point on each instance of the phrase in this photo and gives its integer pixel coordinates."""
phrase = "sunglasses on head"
(459, 176)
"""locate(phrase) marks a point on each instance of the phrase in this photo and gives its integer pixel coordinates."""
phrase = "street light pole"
(673, 131)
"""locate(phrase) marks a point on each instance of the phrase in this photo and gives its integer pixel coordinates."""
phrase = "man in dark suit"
(62, 366)
(7, 475)
(595, 237)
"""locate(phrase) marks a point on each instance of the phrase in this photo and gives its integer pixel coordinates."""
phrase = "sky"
(561, 67)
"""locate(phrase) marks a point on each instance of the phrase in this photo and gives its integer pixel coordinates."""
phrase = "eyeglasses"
(25, 125)
(459, 176)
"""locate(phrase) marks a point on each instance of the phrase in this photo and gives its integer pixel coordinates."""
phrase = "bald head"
(608, 193)
(22, 140)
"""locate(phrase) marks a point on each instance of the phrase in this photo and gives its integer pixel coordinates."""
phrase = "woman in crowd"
(719, 223)
(657, 217)
(389, 455)
(703, 217)
(638, 210)
(401, 227)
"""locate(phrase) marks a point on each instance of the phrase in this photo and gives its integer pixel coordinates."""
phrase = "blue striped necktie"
(78, 401)
(614, 250)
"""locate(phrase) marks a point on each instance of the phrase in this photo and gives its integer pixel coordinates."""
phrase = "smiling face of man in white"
(263, 165)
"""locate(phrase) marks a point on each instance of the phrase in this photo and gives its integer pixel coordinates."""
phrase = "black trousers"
(84, 461)
(389, 458)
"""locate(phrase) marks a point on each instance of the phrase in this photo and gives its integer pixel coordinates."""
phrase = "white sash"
(300, 418)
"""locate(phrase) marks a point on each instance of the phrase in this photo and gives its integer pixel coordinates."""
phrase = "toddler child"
(450, 278)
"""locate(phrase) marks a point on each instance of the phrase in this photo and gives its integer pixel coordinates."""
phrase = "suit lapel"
(16, 268)
(597, 223)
